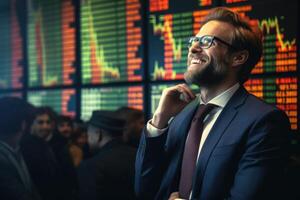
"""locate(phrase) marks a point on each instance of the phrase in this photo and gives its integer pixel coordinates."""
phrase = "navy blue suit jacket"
(243, 156)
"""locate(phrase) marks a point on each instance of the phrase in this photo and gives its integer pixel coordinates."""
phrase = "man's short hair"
(46, 110)
(245, 37)
(64, 119)
(13, 112)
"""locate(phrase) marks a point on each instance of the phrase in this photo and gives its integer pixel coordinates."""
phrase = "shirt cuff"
(152, 131)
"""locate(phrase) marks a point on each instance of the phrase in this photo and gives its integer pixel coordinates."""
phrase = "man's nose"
(195, 48)
(45, 125)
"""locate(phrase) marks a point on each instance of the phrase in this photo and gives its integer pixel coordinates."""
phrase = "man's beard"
(212, 74)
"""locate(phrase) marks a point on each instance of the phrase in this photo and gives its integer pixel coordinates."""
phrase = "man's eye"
(196, 40)
(206, 41)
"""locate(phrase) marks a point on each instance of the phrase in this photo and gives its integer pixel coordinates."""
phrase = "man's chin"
(190, 79)
(197, 80)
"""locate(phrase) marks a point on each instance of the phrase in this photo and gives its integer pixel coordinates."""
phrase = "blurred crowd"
(46, 156)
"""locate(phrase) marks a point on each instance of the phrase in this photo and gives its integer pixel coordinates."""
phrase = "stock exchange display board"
(60, 100)
(100, 51)
(110, 98)
(111, 41)
(11, 47)
(51, 43)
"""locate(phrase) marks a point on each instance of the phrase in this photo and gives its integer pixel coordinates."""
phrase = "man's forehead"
(42, 117)
(217, 28)
(64, 124)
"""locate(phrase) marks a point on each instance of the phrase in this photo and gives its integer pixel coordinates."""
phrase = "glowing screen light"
(110, 98)
(11, 48)
(61, 100)
(51, 42)
(111, 41)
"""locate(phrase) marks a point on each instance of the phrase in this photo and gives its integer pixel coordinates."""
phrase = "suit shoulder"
(256, 111)
(256, 106)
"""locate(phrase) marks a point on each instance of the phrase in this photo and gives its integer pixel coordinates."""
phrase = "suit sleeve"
(261, 167)
(151, 162)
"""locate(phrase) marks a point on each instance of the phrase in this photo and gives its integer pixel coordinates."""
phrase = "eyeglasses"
(206, 41)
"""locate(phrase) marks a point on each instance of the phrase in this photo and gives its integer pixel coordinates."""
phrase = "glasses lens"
(203, 42)
(191, 41)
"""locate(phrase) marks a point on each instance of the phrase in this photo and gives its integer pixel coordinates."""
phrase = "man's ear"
(240, 57)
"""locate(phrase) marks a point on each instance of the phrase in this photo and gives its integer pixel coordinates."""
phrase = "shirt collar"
(222, 99)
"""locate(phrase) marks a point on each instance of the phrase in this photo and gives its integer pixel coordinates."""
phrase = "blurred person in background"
(134, 124)
(44, 127)
(15, 180)
(61, 133)
(80, 124)
(65, 126)
(40, 158)
(77, 143)
(109, 173)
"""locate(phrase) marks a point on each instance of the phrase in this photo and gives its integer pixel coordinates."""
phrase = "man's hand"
(175, 196)
(172, 101)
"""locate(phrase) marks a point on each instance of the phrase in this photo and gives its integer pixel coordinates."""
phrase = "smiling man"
(223, 143)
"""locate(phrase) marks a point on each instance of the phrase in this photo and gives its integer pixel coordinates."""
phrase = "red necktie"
(191, 150)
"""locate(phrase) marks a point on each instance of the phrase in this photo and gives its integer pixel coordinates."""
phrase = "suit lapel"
(225, 118)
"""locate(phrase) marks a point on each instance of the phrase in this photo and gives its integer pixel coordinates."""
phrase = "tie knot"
(203, 110)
